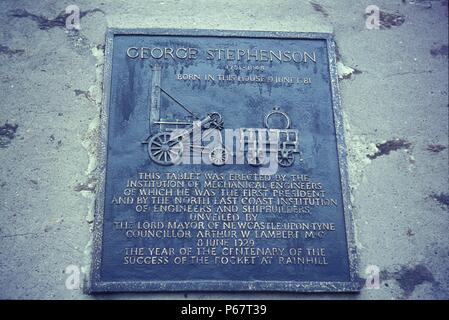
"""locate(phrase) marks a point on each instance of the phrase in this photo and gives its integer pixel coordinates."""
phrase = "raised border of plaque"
(96, 285)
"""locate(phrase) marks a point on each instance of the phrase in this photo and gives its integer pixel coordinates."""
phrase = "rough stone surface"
(394, 89)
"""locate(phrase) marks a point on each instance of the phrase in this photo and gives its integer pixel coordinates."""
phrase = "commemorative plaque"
(222, 164)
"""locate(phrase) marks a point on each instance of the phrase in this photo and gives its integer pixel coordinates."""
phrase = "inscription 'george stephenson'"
(247, 55)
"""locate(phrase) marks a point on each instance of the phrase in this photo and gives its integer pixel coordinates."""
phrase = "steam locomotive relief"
(170, 137)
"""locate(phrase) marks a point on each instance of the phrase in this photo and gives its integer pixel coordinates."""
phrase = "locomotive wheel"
(286, 158)
(163, 150)
(277, 111)
(216, 121)
(218, 156)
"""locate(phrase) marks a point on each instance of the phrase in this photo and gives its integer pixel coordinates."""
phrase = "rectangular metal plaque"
(222, 164)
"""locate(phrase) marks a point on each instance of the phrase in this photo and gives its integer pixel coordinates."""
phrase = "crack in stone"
(319, 8)
(10, 52)
(90, 185)
(45, 23)
(7, 133)
(388, 146)
(19, 235)
(442, 50)
(85, 94)
(442, 198)
(388, 20)
(407, 72)
(410, 277)
(435, 148)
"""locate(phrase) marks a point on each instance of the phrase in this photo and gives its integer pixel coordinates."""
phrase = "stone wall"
(394, 86)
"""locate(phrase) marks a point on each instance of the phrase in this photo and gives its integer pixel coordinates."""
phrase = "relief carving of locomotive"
(167, 139)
